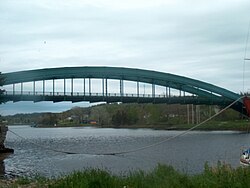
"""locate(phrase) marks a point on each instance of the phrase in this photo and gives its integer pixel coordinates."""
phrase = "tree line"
(118, 115)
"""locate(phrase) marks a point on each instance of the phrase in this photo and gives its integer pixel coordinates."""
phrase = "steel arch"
(147, 76)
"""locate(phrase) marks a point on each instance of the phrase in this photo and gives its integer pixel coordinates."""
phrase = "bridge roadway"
(112, 98)
(197, 92)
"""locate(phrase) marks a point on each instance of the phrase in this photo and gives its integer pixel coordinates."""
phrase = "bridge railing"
(40, 93)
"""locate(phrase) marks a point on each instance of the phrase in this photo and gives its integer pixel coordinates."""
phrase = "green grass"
(213, 125)
(237, 125)
(161, 177)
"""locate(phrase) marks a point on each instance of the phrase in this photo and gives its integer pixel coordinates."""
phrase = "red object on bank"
(246, 101)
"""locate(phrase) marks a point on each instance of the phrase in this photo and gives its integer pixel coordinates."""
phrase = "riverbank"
(6, 151)
(237, 125)
(222, 175)
(3, 149)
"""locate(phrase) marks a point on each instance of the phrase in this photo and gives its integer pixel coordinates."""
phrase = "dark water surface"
(187, 153)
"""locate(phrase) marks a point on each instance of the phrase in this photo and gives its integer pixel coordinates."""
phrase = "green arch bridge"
(191, 91)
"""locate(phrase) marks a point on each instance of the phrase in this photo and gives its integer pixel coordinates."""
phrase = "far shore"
(239, 125)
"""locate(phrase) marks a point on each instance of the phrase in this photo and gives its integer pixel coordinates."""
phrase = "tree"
(3, 128)
(2, 80)
(100, 114)
(47, 119)
(119, 118)
(125, 116)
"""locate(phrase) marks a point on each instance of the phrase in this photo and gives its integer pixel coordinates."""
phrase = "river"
(187, 153)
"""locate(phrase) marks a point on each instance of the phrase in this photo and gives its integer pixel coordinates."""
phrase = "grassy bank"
(162, 176)
(236, 125)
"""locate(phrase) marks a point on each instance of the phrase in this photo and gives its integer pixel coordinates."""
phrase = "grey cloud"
(202, 40)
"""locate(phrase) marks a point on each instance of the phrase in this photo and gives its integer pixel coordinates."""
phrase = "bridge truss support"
(153, 90)
(89, 86)
(53, 87)
(106, 87)
(43, 88)
(121, 88)
(22, 88)
(34, 87)
(64, 87)
(138, 89)
(13, 89)
(84, 87)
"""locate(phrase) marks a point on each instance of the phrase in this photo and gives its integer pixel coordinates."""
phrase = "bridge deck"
(111, 98)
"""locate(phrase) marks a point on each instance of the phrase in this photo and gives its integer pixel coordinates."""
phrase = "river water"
(187, 153)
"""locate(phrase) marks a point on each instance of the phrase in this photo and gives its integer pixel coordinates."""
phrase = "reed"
(162, 176)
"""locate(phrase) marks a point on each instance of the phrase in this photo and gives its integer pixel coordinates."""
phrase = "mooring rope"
(136, 149)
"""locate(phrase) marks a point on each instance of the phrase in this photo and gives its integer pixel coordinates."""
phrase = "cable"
(245, 58)
(41, 146)
(137, 149)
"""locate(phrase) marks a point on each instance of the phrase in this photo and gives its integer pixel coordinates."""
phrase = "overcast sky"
(201, 39)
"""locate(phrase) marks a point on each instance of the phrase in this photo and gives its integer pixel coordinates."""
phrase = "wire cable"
(245, 58)
(40, 146)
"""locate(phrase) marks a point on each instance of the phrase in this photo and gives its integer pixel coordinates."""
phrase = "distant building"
(92, 122)
(72, 118)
